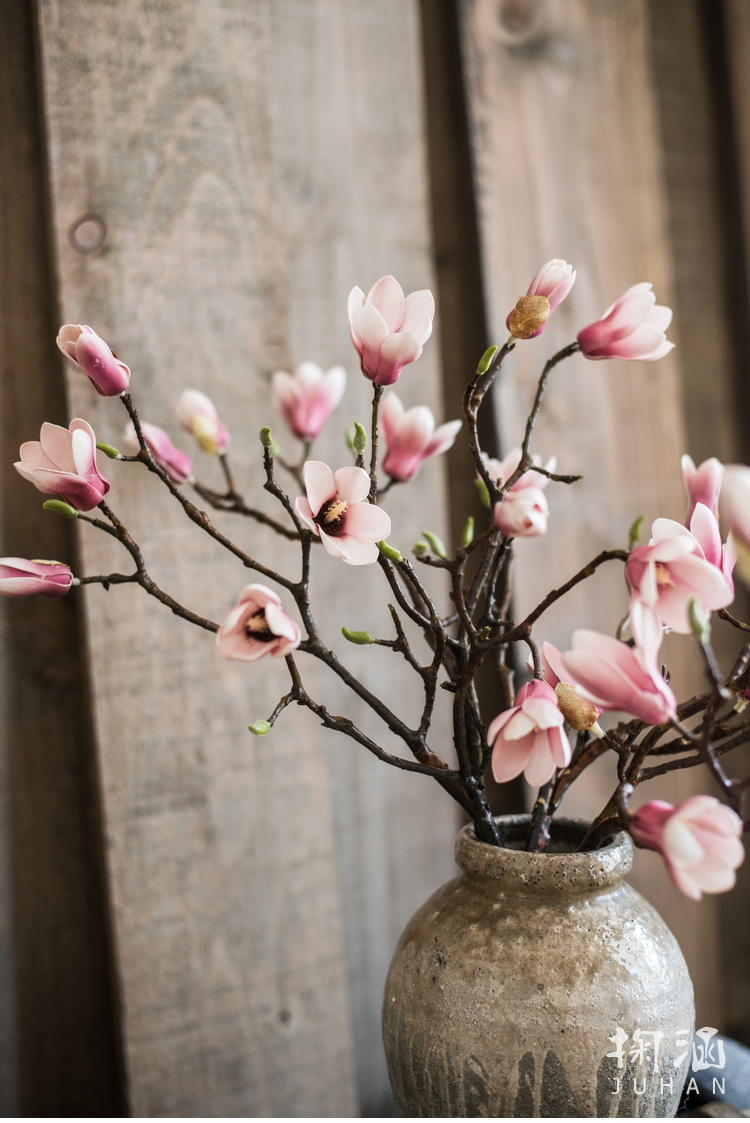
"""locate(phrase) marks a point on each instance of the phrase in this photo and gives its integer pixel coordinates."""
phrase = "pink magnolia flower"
(307, 398)
(734, 503)
(388, 331)
(614, 676)
(63, 462)
(529, 737)
(177, 464)
(554, 280)
(703, 484)
(699, 841)
(336, 509)
(197, 415)
(411, 437)
(631, 328)
(95, 358)
(21, 578)
(680, 564)
(257, 626)
(524, 511)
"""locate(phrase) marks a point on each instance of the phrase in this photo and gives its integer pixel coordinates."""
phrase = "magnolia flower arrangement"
(551, 730)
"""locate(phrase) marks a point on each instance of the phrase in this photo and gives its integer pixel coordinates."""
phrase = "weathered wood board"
(252, 162)
(567, 164)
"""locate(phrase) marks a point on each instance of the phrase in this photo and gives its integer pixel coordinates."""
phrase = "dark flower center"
(256, 627)
(330, 517)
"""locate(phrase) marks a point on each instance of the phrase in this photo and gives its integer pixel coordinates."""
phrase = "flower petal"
(319, 484)
(351, 484)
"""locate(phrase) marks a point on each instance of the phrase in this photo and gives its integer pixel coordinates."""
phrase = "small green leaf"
(484, 495)
(63, 509)
(435, 544)
(700, 621)
(486, 359)
(259, 728)
(468, 535)
(359, 440)
(357, 637)
(265, 437)
(635, 532)
(109, 451)
(420, 548)
(390, 552)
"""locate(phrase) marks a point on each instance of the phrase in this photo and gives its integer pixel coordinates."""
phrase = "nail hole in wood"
(87, 234)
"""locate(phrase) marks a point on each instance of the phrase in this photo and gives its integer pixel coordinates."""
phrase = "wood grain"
(568, 164)
(252, 162)
(59, 1047)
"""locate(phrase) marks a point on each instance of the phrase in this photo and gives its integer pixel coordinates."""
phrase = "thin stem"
(377, 394)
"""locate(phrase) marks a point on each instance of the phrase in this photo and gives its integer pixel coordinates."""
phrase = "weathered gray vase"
(508, 988)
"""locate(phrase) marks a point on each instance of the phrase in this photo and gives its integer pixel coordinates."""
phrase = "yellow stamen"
(335, 511)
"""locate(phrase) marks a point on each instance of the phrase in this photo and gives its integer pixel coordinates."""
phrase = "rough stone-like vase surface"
(509, 986)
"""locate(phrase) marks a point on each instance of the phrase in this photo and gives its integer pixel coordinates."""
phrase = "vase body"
(513, 982)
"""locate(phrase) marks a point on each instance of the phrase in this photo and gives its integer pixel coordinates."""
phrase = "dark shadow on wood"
(461, 322)
(67, 1043)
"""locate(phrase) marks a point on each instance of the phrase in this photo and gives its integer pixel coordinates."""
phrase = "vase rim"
(562, 872)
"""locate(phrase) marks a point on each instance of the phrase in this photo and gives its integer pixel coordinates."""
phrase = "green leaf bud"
(109, 451)
(259, 728)
(420, 548)
(484, 495)
(390, 552)
(486, 359)
(357, 637)
(359, 440)
(64, 510)
(635, 532)
(265, 437)
(468, 535)
(700, 621)
(435, 544)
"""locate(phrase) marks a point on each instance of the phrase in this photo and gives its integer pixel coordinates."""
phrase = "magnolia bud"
(390, 552)
(420, 548)
(357, 637)
(578, 713)
(435, 544)
(109, 451)
(60, 508)
(484, 363)
(259, 728)
(359, 440)
(265, 437)
(529, 314)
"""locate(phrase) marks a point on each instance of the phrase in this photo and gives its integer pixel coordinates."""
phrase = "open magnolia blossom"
(22, 578)
(632, 328)
(198, 416)
(63, 462)
(95, 358)
(680, 565)
(529, 737)
(177, 464)
(389, 330)
(524, 511)
(411, 438)
(703, 484)
(553, 281)
(614, 676)
(336, 508)
(699, 841)
(257, 626)
(676, 581)
(307, 398)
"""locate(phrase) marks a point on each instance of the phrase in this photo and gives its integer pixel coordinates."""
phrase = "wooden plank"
(59, 1049)
(251, 162)
(728, 31)
(567, 157)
